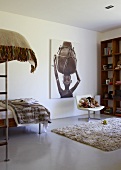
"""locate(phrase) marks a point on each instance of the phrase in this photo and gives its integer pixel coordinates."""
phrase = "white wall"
(38, 33)
(110, 34)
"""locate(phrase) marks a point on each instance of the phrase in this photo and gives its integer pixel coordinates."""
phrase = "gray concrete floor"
(48, 151)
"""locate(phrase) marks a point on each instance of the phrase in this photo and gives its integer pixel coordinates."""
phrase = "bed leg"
(39, 128)
(45, 126)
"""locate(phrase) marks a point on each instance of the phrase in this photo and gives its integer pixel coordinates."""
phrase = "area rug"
(94, 133)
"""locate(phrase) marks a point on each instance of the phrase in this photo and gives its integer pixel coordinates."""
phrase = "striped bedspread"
(28, 110)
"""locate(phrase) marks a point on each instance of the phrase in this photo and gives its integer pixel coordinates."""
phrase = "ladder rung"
(3, 143)
(2, 61)
(3, 75)
(4, 126)
(3, 92)
(2, 110)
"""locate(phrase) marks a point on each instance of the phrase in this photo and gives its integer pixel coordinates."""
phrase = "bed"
(25, 111)
(14, 46)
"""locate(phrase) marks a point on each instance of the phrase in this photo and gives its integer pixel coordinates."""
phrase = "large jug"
(66, 59)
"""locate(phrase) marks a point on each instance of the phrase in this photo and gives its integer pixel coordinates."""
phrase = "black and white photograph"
(64, 73)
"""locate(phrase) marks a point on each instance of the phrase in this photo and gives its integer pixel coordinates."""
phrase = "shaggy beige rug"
(94, 133)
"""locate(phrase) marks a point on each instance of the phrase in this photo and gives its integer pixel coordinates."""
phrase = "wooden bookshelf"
(110, 75)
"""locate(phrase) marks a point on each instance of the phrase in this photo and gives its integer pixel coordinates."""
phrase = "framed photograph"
(64, 77)
(108, 81)
(104, 67)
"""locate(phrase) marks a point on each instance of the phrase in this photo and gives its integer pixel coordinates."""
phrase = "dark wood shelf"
(117, 54)
(111, 48)
(107, 70)
(109, 55)
(117, 84)
(107, 99)
(117, 69)
(118, 114)
(117, 99)
(107, 84)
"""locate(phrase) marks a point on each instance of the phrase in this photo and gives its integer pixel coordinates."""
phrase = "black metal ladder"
(5, 141)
